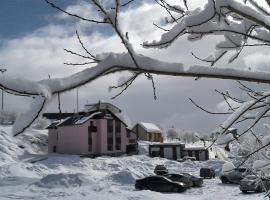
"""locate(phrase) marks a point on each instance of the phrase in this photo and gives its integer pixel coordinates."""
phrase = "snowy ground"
(34, 176)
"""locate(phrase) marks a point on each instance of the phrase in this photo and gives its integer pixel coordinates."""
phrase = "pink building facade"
(94, 133)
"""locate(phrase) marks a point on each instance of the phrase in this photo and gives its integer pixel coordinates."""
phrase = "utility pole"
(77, 100)
(2, 70)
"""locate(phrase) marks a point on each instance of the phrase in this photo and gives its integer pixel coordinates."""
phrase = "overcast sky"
(33, 36)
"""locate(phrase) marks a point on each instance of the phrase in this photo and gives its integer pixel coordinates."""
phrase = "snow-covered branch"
(237, 22)
(234, 20)
(122, 62)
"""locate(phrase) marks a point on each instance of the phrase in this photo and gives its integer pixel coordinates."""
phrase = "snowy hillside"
(26, 173)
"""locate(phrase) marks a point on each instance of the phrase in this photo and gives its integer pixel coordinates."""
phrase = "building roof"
(167, 144)
(102, 106)
(78, 119)
(110, 107)
(54, 124)
(74, 120)
(195, 148)
(92, 111)
(150, 127)
(57, 116)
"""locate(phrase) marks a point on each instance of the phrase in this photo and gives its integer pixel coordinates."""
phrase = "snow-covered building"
(200, 153)
(172, 151)
(177, 151)
(98, 130)
(148, 132)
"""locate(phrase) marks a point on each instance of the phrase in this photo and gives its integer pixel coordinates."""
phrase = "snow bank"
(9, 149)
(34, 141)
(224, 139)
(63, 180)
(15, 169)
(259, 164)
(143, 147)
(266, 140)
(123, 177)
(227, 167)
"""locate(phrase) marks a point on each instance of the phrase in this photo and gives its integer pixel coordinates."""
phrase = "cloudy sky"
(33, 36)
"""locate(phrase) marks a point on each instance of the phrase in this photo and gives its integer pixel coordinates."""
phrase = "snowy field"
(25, 174)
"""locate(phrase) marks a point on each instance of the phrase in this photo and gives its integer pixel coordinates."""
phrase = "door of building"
(168, 152)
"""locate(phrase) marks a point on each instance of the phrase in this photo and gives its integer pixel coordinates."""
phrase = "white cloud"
(258, 61)
(223, 105)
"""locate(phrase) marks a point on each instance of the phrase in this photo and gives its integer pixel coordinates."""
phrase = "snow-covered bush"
(227, 167)
(188, 136)
(172, 134)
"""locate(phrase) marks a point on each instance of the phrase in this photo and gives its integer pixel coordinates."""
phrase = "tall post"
(77, 100)
(2, 70)
(59, 106)
(2, 100)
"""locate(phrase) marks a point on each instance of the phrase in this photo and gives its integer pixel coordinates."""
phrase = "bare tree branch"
(74, 15)
(85, 49)
(210, 112)
(35, 117)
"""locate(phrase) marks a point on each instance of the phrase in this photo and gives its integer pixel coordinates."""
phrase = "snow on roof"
(123, 118)
(75, 120)
(102, 106)
(166, 144)
(86, 118)
(57, 123)
(195, 148)
(150, 127)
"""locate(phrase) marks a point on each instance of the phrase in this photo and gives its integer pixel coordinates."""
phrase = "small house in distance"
(172, 151)
(200, 153)
(148, 132)
(178, 151)
(99, 130)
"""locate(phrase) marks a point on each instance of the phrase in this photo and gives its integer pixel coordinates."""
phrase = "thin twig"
(210, 112)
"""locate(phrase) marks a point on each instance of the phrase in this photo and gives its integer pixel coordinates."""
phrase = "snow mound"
(13, 148)
(63, 180)
(123, 177)
(215, 164)
(143, 147)
(15, 169)
(266, 140)
(227, 167)
(34, 141)
(259, 164)
(8, 147)
(224, 139)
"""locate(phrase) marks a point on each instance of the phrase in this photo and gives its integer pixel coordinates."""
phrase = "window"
(128, 133)
(150, 136)
(110, 126)
(132, 141)
(92, 128)
(118, 143)
(158, 136)
(242, 170)
(54, 148)
(117, 135)
(117, 126)
(110, 135)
